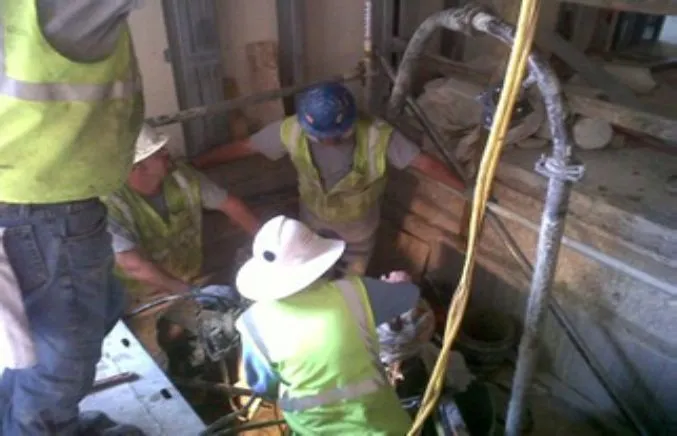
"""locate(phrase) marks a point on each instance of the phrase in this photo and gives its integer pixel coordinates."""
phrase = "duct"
(561, 171)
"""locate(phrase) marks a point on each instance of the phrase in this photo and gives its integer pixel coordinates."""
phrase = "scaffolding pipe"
(561, 172)
(368, 52)
(235, 103)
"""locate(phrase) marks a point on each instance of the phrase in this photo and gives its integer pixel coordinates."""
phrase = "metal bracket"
(552, 168)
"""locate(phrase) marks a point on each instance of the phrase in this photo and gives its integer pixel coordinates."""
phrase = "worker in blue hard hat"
(341, 158)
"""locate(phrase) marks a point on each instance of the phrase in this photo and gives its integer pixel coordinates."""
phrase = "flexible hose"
(525, 30)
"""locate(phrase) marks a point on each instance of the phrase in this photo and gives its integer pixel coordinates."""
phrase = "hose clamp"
(553, 168)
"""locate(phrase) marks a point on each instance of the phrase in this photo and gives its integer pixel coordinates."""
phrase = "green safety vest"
(322, 345)
(174, 245)
(68, 128)
(352, 197)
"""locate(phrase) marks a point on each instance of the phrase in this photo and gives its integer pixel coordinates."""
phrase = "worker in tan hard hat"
(310, 341)
(341, 159)
(156, 224)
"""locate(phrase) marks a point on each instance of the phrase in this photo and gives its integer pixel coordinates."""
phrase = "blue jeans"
(62, 257)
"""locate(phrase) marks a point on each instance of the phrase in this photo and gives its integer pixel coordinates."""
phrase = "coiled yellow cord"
(526, 27)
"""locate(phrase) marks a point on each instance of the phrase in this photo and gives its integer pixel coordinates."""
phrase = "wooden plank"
(585, 24)
(655, 7)
(589, 71)
(638, 120)
(652, 124)
(262, 61)
(547, 41)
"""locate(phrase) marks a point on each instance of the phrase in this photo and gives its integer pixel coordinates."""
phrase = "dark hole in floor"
(126, 342)
(166, 394)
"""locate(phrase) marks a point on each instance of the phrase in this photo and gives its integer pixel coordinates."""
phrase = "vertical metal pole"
(368, 52)
(291, 47)
(550, 236)
(382, 36)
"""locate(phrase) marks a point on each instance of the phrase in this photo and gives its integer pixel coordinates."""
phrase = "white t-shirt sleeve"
(402, 151)
(267, 141)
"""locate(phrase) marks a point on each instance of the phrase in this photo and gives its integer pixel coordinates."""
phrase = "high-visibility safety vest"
(354, 195)
(176, 244)
(68, 128)
(322, 345)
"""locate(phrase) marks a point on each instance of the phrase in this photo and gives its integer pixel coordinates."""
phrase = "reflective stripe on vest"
(349, 392)
(30, 91)
(175, 243)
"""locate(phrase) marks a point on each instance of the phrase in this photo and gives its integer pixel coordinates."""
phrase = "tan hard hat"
(148, 142)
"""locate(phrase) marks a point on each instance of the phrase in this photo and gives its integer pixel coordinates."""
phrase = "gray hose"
(561, 172)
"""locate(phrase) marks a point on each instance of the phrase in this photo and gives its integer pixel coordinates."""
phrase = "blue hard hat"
(326, 111)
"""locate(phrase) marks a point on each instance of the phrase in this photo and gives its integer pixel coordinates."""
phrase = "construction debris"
(592, 133)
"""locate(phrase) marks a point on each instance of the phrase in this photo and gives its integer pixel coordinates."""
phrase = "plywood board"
(262, 63)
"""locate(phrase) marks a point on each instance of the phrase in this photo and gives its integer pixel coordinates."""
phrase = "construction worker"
(70, 109)
(156, 224)
(310, 342)
(341, 160)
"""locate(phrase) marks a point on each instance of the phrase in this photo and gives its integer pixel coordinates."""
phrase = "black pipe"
(560, 170)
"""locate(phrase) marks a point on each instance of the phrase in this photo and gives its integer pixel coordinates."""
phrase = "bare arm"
(223, 154)
(138, 267)
(438, 171)
(236, 210)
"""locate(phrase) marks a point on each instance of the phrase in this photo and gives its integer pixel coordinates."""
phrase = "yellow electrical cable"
(526, 27)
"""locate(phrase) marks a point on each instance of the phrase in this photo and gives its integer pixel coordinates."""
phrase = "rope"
(524, 36)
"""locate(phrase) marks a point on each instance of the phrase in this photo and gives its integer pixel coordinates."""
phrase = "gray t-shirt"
(84, 30)
(125, 239)
(334, 162)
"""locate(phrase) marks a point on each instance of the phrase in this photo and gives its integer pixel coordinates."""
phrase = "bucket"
(486, 339)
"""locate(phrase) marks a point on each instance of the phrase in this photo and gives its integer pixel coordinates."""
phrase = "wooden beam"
(658, 126)
(589, 70)
(655, 7)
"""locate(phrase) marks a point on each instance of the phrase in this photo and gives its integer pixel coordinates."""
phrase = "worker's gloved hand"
(217, 297)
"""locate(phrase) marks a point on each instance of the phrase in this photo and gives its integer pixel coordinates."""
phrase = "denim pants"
(62, 258)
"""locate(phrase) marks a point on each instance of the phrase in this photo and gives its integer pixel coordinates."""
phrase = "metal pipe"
(228, 105)
(561, 173)
(368, 52)
(427, 125)
(527, 268)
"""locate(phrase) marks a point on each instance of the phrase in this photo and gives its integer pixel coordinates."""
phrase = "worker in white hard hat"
(310, 341)
(342, 159)
(156, 225)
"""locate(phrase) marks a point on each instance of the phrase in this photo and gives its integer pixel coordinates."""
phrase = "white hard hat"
(148, 142)
(287, 258)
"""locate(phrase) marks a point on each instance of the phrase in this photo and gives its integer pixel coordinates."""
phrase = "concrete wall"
(150, 41)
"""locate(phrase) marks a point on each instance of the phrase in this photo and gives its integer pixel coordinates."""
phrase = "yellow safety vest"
(68, 128)
(352, 197)
(176, 244)
(322, 345)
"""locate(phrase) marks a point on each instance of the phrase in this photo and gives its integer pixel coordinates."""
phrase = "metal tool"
(112, 381)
